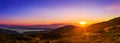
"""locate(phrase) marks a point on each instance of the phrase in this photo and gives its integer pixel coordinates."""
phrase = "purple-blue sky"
(31, 12)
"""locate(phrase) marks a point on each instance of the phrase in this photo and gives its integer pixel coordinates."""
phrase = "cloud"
(114, 6)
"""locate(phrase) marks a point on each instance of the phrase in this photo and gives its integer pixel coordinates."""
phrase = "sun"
(82, 22)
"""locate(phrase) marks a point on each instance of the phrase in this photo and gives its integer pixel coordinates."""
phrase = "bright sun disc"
(82, 22)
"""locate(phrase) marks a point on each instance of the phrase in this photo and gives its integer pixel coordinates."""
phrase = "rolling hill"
(99, 27)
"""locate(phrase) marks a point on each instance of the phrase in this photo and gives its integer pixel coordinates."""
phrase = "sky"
(35, 12)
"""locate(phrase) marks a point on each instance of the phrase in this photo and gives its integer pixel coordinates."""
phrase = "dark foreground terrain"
(104, 32)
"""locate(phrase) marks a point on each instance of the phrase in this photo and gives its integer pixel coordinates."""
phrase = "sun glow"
(82, 22)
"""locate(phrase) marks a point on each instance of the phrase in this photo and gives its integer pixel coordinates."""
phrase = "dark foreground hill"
(58, 33)
(99, 27)
(69, 30)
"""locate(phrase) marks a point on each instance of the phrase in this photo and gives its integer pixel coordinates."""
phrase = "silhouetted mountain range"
(4, 31)
(53, 26)
(21, 29)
